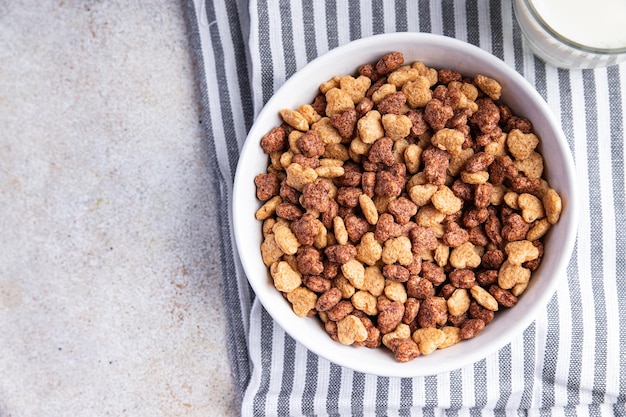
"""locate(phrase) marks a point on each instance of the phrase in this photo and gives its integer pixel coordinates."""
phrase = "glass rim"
(567, 41)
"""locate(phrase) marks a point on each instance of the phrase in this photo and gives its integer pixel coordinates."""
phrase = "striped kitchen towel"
(570, 361)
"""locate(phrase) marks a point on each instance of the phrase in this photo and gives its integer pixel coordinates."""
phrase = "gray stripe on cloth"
(575, 364)
(354, 9)
(378, 17)
(471, 12)
(309, 31)
(597, 251)
(358, 392)
(619, 185)
(447, 12)
(430, 389)
(577, 333)
(289, 54)
(265, 53)
(540, 79)
(288, 374)
(310, 384)
(551, 353)
(456, 392)
(504, 377)
(497, 37)
(406, 396)
(401, 17)
(334, 388)
(518, 44)
(424, 16)
(480, 387)
(617, 152)
(331, 25)
(382, 391)
(529, 367)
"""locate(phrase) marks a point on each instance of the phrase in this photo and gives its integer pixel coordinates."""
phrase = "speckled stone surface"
(110, 297)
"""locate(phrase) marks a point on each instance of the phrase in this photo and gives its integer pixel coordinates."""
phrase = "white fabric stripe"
(554, 101)
(553, 94)
(391, 413)
(390, 17)
(469, 399)
(597, 248)
(412, 17)
(436, 19)
(584, 261)
(366, 18)
(343, 17)
(541, 327)
(484, 25)
(517, 373)
(493, 391)
(608, 223)
(369, 389)
(321, 34)
(443, 391)
(298, 34)
(323, 370)
(529, 63)
(419, 395)
(563, 358)
(565, 316)
(596, 163)
(345, 389)
(460, 23)
(394, 396)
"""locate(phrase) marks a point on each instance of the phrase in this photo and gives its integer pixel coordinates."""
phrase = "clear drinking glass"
(574, 33)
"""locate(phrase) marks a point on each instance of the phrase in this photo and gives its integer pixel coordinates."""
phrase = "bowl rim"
(349, 356)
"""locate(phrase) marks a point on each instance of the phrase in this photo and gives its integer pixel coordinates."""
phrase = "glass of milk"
(575, 33)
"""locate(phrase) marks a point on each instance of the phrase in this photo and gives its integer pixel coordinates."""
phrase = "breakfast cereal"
(404, 206)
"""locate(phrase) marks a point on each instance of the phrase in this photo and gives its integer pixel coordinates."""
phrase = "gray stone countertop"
(110, 295)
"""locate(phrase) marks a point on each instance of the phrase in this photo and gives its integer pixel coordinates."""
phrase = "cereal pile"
(404, 206)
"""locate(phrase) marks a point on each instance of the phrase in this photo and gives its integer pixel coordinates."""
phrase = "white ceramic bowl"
(438, 52)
